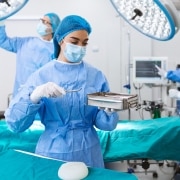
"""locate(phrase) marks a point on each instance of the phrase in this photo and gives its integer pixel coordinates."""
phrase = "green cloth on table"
(24, 141)
(20, 166)
(156, 139)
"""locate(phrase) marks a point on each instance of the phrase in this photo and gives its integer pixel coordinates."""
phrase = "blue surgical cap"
(54, 19)
(68, 25)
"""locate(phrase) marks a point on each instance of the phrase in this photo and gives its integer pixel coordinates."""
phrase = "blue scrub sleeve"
(106, 121)
(21, 112)
(173, 75)
(7, 43)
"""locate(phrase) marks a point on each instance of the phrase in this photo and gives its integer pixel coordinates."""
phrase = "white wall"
(115, 40)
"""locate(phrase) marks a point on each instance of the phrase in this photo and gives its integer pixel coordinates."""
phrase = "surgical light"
(153, 18)
(10, 7)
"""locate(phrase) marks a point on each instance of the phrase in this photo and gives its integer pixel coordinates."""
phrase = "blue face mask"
(74, 53)
(42, 29)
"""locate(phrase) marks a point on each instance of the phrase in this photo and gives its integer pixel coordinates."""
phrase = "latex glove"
(2, 23)
(174, 93)
(49, 89)
(161, 72)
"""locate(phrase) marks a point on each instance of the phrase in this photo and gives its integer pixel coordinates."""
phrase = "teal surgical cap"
(54, 19)
(68, 25)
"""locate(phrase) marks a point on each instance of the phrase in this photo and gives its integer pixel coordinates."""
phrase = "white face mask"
(43, 29)
(74, 53)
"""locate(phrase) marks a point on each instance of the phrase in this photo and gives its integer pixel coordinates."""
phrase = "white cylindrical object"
(73, 171)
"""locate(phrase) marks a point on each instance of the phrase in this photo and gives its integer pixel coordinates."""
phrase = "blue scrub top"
(69, 122)
(31, 54)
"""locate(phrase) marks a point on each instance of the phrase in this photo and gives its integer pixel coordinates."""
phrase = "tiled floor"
(163, 170)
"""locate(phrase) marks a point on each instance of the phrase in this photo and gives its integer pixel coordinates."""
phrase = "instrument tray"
(112, 100)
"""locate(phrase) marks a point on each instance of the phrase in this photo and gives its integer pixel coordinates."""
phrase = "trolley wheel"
(155, 174)
(130, 170)
(161, 164)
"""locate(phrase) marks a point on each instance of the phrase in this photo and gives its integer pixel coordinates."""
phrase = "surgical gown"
(174, 75)
(31, 54)
(69, 122)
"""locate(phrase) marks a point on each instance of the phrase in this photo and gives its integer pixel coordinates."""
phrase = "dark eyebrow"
(78, 38)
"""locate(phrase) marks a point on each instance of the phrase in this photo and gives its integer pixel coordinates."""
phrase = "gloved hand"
(161, 72)
(2, 23)
(174, 93)
(49, 89)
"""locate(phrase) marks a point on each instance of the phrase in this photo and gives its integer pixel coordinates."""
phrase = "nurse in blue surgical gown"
(69, 122)
(31, 52)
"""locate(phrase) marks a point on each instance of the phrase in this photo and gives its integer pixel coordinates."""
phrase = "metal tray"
(112, 100)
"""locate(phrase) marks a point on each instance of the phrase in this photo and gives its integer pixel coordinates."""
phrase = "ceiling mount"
(155, 19)
(10, 7)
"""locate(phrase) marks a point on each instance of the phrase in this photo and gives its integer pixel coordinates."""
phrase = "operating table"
(155, 139)
(22, 165)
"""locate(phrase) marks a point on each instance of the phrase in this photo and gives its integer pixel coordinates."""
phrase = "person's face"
(46, 21)
(79, 38)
